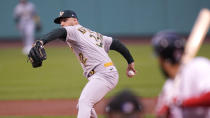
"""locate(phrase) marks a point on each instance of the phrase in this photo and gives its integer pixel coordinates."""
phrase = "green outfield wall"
(113, 17)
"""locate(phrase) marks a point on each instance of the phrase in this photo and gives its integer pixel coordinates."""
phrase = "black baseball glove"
(37, 54)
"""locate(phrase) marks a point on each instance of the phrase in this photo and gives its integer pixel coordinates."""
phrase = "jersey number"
(97, 36)
(82, 59)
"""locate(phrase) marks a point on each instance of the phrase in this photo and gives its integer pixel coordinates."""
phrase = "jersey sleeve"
(59, 33)
(107, 43)
(71, 33)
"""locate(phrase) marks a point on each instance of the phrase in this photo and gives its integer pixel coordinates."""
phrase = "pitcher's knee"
(85, 103)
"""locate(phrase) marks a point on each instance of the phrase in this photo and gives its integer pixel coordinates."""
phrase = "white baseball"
(131, 73)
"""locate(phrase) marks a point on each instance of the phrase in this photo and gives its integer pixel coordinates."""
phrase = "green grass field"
(61, 77)
(61, 74)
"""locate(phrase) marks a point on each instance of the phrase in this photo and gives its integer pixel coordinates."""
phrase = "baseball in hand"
(131, 73)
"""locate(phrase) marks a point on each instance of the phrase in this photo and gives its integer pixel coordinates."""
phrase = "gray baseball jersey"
(90, 47)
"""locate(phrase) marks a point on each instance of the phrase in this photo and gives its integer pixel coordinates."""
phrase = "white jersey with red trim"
(163, 107)
(194, 82)
(90, 47)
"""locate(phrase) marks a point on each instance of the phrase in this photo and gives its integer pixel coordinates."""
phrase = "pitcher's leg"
(93, 113)
(92, 93)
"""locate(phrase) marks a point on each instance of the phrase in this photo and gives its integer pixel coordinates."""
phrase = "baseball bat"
(197, 35)
(193, 43)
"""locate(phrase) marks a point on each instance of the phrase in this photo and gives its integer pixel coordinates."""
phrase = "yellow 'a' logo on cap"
(61, 13)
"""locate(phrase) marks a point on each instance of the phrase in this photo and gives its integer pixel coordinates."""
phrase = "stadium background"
(116, 17)
(61, 76)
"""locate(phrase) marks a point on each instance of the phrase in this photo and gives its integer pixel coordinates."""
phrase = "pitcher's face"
(68, 22)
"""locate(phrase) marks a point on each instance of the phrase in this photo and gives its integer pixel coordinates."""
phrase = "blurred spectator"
(27, 21)
(191, 98)
(124, 105)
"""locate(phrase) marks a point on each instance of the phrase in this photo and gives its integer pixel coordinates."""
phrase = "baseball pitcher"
(91, 49)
